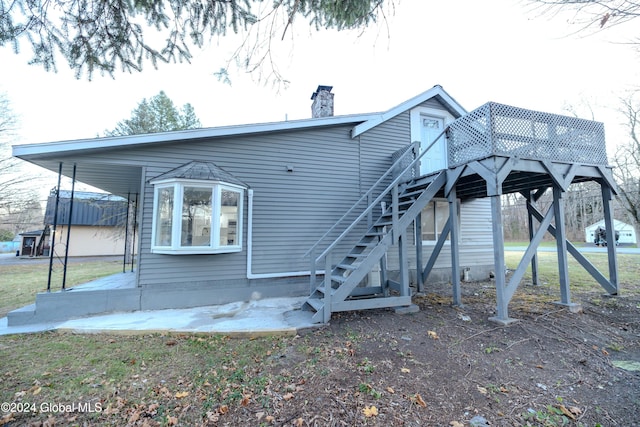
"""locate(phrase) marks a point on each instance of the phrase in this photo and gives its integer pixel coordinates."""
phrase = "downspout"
(251, 275)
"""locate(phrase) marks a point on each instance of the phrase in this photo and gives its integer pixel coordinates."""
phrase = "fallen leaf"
(405, 370)
(539, 366)
(171, 342)
(223, 409)
(391, 390)
(419, 401)
(433, 335)
(182, 394)
(270, 419)
(6, 419)
(299, 422)
(245, 400)
(567, 412)
(370, 411)
(288, 396)
(481, 389)
(213, 416)
(605, 352)
(36, 390)
(172, 421)
(456, 424)
(504, 389)
(575, 410)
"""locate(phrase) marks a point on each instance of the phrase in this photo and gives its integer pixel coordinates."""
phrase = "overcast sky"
(504, 52)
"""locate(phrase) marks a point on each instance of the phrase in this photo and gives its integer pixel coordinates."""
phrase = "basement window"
(196, 216)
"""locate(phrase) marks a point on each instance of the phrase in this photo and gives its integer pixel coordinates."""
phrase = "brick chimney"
(322, 102)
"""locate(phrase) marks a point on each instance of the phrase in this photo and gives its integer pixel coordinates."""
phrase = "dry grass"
(20, 283)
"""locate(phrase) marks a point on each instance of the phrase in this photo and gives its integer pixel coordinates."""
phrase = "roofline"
(437, 90)
(57, 147)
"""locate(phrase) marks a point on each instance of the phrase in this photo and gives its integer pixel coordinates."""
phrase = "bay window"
(196, 217)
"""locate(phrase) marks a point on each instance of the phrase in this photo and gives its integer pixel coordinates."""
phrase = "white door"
(436, 157)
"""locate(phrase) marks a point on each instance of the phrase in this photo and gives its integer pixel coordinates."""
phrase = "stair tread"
(339, 279)
(358, 255)
(348, 266)
(315, 303)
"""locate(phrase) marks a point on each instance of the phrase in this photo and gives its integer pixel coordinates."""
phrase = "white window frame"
(439, 232)
(416, 116)
(214, 247)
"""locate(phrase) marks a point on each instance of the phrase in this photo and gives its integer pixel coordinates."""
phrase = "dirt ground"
(451, 366)
(441, 366)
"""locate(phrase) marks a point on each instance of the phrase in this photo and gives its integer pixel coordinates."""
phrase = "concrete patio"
(250, 318)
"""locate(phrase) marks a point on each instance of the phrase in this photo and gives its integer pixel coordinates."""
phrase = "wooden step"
(353, 266)
(315, 303)
(339, 279)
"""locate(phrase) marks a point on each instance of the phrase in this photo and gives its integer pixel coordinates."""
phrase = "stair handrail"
(372, 204)
(361, 199)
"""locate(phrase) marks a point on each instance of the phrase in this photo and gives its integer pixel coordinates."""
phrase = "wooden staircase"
(344, 287)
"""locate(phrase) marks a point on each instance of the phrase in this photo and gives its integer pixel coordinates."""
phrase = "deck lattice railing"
(503, 130)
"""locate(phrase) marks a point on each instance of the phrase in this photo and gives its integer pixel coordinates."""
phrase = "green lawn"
(544, 243)
(20, 283)
(628, 270)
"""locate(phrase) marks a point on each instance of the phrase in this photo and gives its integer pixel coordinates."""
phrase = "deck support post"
(561, 245)
(532, 232)
(328, 268)
(126, 233)
(55, 228)
(66, 249)
(455, 250)
(133, 238)
(404, 263)
(502, 300)
(611, 236)
(418, 240)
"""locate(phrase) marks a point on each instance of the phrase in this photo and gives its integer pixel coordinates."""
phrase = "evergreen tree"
(107, 35)
(158, 114)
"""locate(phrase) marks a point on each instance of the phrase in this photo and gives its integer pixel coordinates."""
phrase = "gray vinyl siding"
(290, 209)
(378, 145)
(475, 215)
(475, 243)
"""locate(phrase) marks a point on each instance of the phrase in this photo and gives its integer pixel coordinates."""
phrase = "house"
(350, 210)
(94, 225)
(34, 243)
(626, 232)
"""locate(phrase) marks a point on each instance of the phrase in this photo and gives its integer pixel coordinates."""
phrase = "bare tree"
(592, 15)
(627, 161)
(16, 199)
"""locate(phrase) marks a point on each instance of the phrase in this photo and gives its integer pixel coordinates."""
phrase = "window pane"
(442, 215)
(428, 222)
(164, 217)
(230, 201)
(196, 217)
